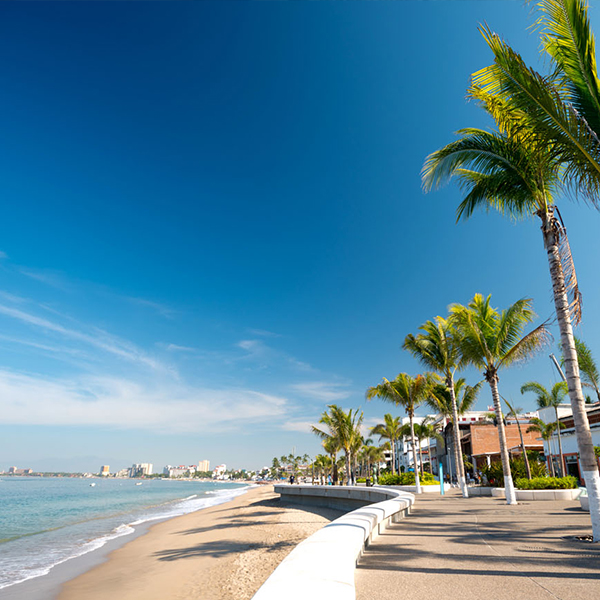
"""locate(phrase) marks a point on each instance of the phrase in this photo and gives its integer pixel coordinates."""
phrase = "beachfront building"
(203, 465)
(404, 455)
(104, 471)
(568, 436)
(140, 469)
(179, 471)
(219, 472)
(17, 471)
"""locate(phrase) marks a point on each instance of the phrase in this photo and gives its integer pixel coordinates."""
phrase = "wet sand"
(224, 552)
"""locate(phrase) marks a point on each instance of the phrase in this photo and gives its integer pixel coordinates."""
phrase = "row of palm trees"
(546, 141)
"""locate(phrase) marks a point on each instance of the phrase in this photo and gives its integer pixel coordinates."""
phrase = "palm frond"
(567, 37)
(570, 138)
(529, 345)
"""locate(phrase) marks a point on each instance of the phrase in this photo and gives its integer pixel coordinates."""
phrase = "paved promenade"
(481, 548)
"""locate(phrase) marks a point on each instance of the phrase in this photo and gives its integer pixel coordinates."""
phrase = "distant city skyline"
(213, 223)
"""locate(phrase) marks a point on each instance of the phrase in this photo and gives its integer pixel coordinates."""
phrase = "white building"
(219, 472)
(140, 469)
(568, 436)
(204, 465)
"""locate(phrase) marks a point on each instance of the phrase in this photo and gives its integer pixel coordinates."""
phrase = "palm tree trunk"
(348, 468)
(560, 452)
(550, 459)
(525, 458)
(587, 457)
(414, 452)
(458, 457)
(420, 457)
(509, 486)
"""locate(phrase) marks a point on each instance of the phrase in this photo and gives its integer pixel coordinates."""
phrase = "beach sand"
(224, 552)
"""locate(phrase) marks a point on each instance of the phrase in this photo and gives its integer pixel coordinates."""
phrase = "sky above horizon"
(213, 224)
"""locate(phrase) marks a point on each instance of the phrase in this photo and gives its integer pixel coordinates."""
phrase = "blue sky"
(213, 223)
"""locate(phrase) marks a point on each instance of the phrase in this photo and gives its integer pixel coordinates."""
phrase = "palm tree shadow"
(220, 548)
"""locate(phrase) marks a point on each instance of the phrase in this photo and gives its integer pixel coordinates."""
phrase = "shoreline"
(222, 552)
(47, 586)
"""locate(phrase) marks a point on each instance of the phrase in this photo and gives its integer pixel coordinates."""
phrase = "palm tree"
(553, 398)
(514, 411)
(440, 400)
(427, 429)
(389, 430)
(344, 427)
(408, 392)
(436, 348)
(491, 340)
(546, 431)
(559, 114)
(588, 370)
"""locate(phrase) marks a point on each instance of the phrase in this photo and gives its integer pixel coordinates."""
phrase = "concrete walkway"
(481, 548)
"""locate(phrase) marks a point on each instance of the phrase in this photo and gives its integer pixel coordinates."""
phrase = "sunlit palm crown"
(562, 108)
(490, 339)
(389, 429)
(545, 397)
(466, 396)
(343, 427)
(404, 390)
(435, 347)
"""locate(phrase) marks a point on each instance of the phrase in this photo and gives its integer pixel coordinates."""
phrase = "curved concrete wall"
(540, 494)
(322, 566)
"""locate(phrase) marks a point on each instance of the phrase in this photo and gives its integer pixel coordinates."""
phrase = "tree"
(588, 370)
(408, 392)
(558, 117)
(491, 340)
(389, 430)
(436, 348)
(344, 427)
(440, 400)
(546, 430)
(426, 430)
(553, 398)
(514, 411)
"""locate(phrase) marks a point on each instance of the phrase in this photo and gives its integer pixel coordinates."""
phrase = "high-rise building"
(204, 465)
(140, 469)
(104, 470)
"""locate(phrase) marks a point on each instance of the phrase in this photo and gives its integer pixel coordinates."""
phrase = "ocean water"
(47, 521)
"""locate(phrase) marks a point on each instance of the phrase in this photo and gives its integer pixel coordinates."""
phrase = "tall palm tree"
(588, 369)
(546, 431)
(491, 340)
(515, 411)
(561, 113)
(440, 400)
(344, 427)
(408, 392)
(332, 447)
(389, 430)
(436, 348)
(554, 398)
(426, 430)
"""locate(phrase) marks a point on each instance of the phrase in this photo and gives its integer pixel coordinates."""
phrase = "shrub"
(495, 473)
(406, 479)
(547, 483)
(361, 480)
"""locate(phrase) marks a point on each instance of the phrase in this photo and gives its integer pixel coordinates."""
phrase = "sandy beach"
(224, 552)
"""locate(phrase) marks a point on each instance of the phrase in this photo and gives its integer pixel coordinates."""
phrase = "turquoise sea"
(47, 521)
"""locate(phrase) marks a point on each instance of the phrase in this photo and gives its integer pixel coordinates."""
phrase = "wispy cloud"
(3, 255)
(299, 426)
(125, 404)
(176, 348)
(161, 309)
(51, 278)
(263, 333)
(324, 391)
(101, 339)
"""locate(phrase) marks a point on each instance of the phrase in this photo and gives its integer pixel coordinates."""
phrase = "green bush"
(495, 473)
(547, 483)
(361, 480)
(406, 479)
